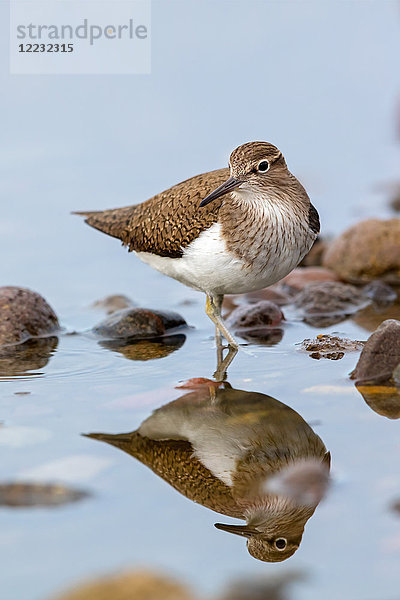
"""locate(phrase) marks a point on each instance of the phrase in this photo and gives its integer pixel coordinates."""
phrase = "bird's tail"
(123, 441)
(113, 222)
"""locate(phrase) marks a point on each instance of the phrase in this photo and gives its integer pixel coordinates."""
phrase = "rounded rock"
(323, 304)
(380, 356)
(138, 324)
(257, 322)
(24, 314)
(261, 314)
(369, 250)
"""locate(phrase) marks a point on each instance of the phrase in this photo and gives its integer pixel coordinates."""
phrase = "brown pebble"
(257, 322)
(369, 250)
(380, 355)
(23, 315)
(138, 323)
(329, 346)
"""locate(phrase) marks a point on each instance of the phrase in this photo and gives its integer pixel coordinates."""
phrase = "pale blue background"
(321, 80)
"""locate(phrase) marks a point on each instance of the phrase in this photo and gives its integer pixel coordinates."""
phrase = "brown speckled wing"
(166, 223)
(173, 461)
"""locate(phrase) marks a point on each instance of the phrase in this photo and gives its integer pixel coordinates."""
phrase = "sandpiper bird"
(242, 454)
(223, 232)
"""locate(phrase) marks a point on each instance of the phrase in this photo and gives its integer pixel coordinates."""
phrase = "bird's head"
(254, 167)
(273, 532)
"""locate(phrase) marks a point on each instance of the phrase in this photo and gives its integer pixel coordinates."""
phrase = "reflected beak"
(226, 187)
(243, 530)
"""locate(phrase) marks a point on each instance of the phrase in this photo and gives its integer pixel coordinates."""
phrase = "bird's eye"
(280, 543)
(263, 166)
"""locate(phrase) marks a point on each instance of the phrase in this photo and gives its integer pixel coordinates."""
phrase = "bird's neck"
(268, 509)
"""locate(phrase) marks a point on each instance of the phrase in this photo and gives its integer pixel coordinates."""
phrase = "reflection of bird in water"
(223, 448)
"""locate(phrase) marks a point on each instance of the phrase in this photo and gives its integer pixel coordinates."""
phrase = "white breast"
(206, 265)
(275, 245)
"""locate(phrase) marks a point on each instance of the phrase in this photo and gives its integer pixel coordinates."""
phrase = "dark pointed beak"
(226, 187)
(243, 530)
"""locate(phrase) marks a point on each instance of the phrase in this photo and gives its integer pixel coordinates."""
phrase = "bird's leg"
(223, 364)
(218, 338)
(213, 310)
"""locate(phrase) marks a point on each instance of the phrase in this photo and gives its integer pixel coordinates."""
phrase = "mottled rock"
(18, 495)
(380, 293)
(138, 323)
(380, 355)
(329, 346)
(135, 585)
(23, 315)
(32, 355)
(146, 349)
(367, 251)
(257, 322)
(326, 303)
(299, 278)
(113, 303)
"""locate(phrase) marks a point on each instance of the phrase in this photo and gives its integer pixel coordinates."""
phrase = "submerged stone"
(331, 347)
(24, 314)
(138, 323)
(369, 250)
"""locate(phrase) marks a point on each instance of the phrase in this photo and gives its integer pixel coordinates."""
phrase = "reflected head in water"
(241, 454)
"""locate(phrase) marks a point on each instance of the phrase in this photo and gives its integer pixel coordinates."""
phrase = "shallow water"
(75, 145)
